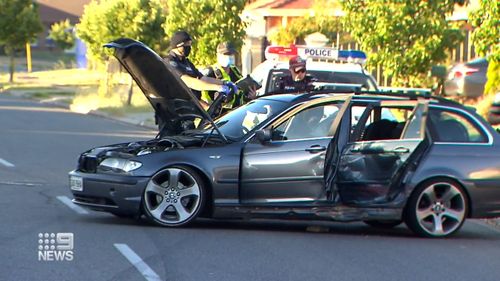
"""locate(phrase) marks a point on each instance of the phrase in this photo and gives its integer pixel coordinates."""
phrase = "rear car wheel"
(384, 224)
(437, 208)
(174, 196)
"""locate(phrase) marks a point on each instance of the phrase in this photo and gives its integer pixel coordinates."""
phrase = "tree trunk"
(11, 66)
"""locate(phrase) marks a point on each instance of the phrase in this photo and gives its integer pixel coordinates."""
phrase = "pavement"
(143, 119)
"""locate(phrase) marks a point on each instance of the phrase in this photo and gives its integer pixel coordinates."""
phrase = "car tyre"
(385, 224)
(436, 208)
(174, 196)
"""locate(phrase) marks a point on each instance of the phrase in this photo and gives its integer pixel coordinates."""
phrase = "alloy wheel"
(173, 196)
(439, 210)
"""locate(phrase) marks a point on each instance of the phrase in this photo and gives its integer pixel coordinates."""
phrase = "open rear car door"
(383, 147)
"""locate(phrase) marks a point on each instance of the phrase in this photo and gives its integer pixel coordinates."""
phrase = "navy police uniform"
(184, 66)
(288, 85)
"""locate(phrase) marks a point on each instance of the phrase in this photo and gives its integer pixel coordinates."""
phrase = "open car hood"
(171, 99)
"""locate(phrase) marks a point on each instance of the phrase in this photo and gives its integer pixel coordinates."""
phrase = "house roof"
(57, 10)
(280, 4)
(291, 8)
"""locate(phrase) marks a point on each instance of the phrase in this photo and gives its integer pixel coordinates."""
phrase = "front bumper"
(119, 194)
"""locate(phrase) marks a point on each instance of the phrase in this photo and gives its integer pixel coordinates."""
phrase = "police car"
(326, 65)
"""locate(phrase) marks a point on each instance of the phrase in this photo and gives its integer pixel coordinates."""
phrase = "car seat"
(451, 131)
(380, 130)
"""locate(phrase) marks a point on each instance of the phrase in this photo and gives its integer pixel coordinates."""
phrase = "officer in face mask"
(180, 47)
(225, 69)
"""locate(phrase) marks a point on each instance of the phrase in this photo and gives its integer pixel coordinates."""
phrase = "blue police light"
(354, 56)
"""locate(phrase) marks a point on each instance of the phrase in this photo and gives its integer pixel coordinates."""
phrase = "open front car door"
(383, 149)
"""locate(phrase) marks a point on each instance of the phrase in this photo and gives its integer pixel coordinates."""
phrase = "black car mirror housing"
(263, 135)
(439, 71)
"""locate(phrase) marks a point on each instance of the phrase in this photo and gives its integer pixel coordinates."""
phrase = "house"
(52, 11)
(262, 16)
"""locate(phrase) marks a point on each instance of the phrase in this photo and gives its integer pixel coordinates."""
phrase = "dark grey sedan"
(381, 159)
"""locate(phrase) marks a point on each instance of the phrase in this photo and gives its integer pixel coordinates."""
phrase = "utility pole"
(28, 56)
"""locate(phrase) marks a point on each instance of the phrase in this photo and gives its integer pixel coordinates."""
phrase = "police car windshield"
(344, 78)
(320, 76)
(237, 123)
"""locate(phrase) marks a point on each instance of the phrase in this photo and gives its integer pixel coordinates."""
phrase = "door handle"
(316, 148)
(400, 149)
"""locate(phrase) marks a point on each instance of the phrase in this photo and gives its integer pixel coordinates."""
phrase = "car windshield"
(237, 123)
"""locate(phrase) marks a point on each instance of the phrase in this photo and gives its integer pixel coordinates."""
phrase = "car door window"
(313, 122)
(383, 122)
(454, 127)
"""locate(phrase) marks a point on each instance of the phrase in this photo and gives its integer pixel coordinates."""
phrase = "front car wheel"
(437, 208)
(174, 196)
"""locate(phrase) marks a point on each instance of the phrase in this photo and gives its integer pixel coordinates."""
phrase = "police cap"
(179, 38)
(226, 48)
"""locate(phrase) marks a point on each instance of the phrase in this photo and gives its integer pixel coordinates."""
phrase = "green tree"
(323, 20)
(407, 36)
(209, 22)
(62, 34)
(107, 20)
(486, 38)
(19, 24)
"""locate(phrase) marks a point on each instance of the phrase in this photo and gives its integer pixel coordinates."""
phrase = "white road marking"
(6, 163)
(66, 201)
(136, 261)
(20, 183)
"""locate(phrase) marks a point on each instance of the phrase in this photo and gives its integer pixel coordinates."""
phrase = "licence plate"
(76, 183)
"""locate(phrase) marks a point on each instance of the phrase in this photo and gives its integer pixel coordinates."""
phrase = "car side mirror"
(438, 71)
(263, 135)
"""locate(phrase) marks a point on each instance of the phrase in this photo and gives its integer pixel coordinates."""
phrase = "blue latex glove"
(226, 90)
(232, 85)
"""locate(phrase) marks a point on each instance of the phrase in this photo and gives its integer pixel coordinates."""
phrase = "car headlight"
(120, 164)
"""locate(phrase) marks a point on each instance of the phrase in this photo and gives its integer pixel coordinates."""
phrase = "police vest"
(221, 74)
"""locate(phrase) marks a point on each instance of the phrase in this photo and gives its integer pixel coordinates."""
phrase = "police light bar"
(322, 53)
(280, 52)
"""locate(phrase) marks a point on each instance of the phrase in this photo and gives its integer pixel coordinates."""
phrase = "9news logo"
(55, 246)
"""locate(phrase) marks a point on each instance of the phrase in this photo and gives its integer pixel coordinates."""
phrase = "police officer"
(298, 80)
(225, 69)
(180, 47)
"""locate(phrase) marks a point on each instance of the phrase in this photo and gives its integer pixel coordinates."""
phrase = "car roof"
(364, 96)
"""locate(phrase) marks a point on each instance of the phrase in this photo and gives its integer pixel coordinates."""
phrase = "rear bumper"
(118, 194)
(467, 87)
(494, 114)
(485, 200)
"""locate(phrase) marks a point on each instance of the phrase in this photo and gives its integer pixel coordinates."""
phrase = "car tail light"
(464, 71)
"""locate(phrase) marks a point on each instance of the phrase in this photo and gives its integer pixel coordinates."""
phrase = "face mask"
(225, 61)
(186, 50)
